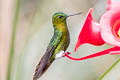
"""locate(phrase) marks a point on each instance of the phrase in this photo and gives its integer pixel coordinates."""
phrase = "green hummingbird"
(58, 44)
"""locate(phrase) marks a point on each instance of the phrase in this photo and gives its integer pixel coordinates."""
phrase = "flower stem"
(12, 46)
(101, 77)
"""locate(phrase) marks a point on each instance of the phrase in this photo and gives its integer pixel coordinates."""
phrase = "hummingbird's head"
(59, 18)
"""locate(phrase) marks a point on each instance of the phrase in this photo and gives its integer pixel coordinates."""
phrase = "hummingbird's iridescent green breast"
(64, 40)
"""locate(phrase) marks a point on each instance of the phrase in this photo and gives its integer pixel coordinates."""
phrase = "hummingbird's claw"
(66, 53)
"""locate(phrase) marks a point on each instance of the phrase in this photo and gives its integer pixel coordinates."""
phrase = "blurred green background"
(34, 31)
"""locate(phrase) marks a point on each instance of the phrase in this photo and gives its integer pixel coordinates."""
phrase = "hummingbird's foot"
(66, 53)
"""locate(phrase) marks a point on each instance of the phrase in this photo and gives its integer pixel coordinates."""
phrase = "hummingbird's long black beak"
(74, 14)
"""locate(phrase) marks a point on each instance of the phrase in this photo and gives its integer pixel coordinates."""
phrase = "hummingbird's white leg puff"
(59, 55)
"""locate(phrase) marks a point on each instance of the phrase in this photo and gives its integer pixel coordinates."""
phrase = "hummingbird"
(57, 45)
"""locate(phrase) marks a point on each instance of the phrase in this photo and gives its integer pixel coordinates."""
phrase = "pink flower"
(110, 24)
(90, 33)
(106, 31)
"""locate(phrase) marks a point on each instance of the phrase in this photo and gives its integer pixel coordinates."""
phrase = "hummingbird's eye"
(60, 17)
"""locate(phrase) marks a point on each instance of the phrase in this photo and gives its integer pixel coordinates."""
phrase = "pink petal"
(113, 50)
(110, 24)
(108, 4)
(90, 32)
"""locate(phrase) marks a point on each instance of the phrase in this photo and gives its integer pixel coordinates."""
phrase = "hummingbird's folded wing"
(45, 60)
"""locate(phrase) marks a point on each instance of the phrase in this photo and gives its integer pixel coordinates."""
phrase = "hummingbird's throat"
(62, 27)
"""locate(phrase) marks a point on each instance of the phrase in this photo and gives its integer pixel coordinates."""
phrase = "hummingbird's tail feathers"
(44, 63)
(41, 69)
